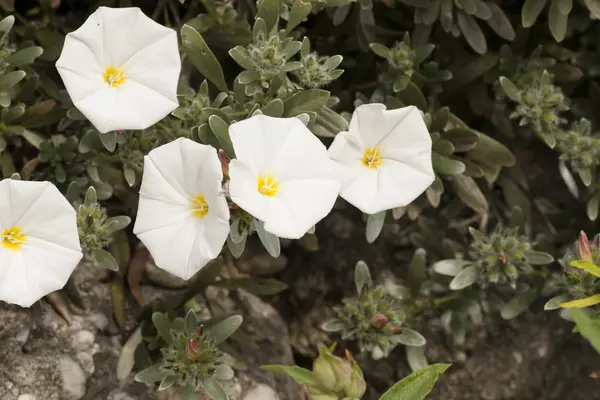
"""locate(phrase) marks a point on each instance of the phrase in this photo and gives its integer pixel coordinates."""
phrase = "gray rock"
(73, 378)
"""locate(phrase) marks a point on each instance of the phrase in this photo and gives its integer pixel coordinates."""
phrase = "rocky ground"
(44, 357)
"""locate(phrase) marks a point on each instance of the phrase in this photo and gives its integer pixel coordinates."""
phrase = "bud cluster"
(579, 146)
(371, 319)
(191, 357)
(60, 153)
(501, 256)
(92, 226)
(336, 378)
(579, 283)
(269, 54)
(316, 70)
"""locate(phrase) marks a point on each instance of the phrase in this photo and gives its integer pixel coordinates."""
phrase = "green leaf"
(380, 50)
(241, 56)
(415, 356)
(221, 131)
(167, 382)
(307, 100)
(114, 224)
(362, 277)
(557, 21)
(518, 304)
(269, 241)
(531, 11)
(500, 23)
(109, 140)
(202, 57)
(586, 266)
(469, 192)
(582, 303)
(129, 175)
(564, 6)
(450, 267)
(594, 7)
(127, 357)
(374, 225)
(465, 278)
(256, 286)
(105, 259)
(5, 26)
(11, 79)
(274, 108)
(224, 372)
(299, 12)
(213, 389)
(417, 385)
(222, 330)
(163, 326)
(408, 337)
(588, 328)
(491, 152)
(334, 325)
(90, 196)
(568, 178)
(593, 206)
(446, 166)
(555, 302)
(25, 56)
(301, 375)
(151, 374)
(538, 258)
(510, 89)
(416, 271)
(472, 32)
(269, 11)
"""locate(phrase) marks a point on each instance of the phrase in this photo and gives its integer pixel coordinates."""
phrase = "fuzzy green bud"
(357, 386)
(316, 394)
(583, 247)
(331, 372)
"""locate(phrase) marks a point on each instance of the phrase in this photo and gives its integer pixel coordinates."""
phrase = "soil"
(535, 356)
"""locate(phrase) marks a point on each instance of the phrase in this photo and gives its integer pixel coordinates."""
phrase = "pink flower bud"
(583, 247)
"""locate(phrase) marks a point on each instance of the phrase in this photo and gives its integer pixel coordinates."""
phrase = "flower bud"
(331, 372)
(316, 394)
(224, 162)
(191, 349)
(379, 321)
(583, 247)
(357, 386)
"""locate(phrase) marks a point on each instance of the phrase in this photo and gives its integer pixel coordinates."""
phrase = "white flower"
(39, 241)
(121, 69)
(183, 217)
(387, 155)
(282, 174)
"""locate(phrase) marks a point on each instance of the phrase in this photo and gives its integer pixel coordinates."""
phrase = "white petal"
(51, 250)
(146, 51)
(180, 242)
(409, 134)
(366, 124)
(299, 205)
(258, 139)
(362, 190)
(243, 190)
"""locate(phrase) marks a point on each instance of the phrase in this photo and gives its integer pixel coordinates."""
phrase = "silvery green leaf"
(472, 32)
(557, 21)
(554, 303)
(163, 326)
(105, 259)
(334, 325)
(109, 140)
(298, 13)
(538, 258)
(518, 304)
(269, 241)
(380, 50)
(465, 278)
(304, 101)
(16, 176)
(269, 10)
(530, 12)
(10, 79)
(374, 225)
(450, 267)
(586, 176)
(415, 356)
(300, 375)
(592, 206)
(167, 382)
(362, 277)
(191, 321)
(129, 174)
(416, 271)
(222, 330)
(236, 249)
(151, 374)
(25, 56)
(568, 178)
(509, 88)
(117, 223)
(127, 357)
(234, 232)
(409, 337)
(221, 131)
(274, 108)
(224, 372)
(202, 57)
(241, 56)
(188, 393)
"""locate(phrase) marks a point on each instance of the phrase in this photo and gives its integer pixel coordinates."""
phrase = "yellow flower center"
(199, 206)
(114, 76)
(372, 158)
(13, 238)
(267, 186)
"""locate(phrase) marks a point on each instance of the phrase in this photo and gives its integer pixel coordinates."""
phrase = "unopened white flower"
(39, 242)
(387, 155)
(282, 174)
(121, 69)
(183, 216)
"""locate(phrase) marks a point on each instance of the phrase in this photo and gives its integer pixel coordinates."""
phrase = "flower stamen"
(199, 206)
(372, 158)
(267, 186)
(114, 76)
(13, 238)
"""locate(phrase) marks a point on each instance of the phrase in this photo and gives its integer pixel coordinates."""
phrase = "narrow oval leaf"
(555, 302)
(374, 226)
(472, 32)
(305, 101)
(531, 11)
(163, 326)
(301, 375)
(409, 337)
(269, 241)
(298, 13)
(416, 271)
(518, 304)
(221, 131)
(25, 56)
(465, 278)
(450, 267)
(127, 357)
(214, 389)
(588, 327)
(334, 325)
(586, 266)
(202, 57)
(417, 385)
(509, 88)
(415, 356)
(221, 331)
(582, 303)
(105, 259)
(150, 375)
(362, 277)
(538, 258)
